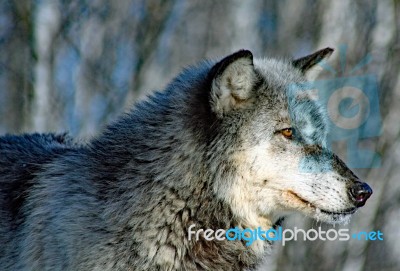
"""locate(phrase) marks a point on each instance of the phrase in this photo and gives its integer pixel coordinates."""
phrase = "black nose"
(359, 193)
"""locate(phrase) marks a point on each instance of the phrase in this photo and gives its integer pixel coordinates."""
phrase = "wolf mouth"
(309, 204)
(344, 212)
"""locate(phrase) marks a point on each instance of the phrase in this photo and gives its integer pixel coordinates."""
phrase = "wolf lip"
(343, 212)
(305, 202)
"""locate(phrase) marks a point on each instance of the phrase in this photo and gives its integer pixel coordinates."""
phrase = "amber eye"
(287, 132)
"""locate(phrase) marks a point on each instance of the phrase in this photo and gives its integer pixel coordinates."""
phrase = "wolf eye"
(287, 132)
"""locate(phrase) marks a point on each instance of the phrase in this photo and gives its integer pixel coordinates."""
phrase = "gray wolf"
(217, 148)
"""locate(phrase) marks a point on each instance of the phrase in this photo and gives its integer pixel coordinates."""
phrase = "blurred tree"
(75, 65)
(17, 60)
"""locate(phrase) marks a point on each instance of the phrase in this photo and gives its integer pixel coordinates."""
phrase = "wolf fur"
(208, 150)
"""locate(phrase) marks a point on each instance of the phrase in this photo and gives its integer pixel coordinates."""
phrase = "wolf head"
(278, 143)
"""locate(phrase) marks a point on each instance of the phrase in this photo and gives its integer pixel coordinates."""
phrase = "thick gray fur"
(206, 151)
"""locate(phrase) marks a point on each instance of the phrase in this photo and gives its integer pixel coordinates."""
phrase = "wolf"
(221, 147)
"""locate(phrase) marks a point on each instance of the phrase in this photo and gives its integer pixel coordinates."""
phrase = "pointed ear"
(308, 64)
(232, 83)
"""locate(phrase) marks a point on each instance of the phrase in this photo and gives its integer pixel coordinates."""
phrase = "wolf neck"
(164, 185)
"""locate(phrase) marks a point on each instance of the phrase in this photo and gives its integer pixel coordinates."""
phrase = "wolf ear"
(232, 83)
(308, 64)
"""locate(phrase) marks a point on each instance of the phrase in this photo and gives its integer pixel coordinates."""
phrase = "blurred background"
(76, 65)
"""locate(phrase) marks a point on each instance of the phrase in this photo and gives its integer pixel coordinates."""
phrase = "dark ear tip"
(244, 53)
(327, 51)
(218, 68)
(305, 63)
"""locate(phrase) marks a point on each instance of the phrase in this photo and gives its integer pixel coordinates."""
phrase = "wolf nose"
(359, 193)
